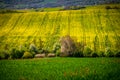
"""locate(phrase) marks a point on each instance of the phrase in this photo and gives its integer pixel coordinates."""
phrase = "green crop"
(61, 69)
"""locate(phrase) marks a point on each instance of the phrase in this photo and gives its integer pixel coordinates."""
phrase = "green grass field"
(61, 69)
(83, 25)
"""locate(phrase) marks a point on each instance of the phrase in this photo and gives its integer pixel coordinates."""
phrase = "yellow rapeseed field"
(84, 25)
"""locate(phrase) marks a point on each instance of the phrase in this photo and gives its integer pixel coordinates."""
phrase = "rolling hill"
(93, 25)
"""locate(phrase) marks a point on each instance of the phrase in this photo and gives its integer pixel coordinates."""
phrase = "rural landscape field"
(87, 25)
(60, 43)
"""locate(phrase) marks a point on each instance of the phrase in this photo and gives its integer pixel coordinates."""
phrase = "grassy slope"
(83, 25)
(61, 69)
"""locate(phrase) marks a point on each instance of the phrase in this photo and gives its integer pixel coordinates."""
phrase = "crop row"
(93, 27)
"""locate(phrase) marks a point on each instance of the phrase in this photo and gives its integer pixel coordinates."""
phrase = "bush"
(108, 52)
(33, 48)
(116, 7)
(8, 11)
(33, 53)
(58, 53)
(117, 54)
(101, 54)
(16, 54)
(39, 51)
(4, 55)
(73, 7)
(23, 48)
(45, 51)
(87, 51)
(78, 54)
(56, 47)
(94, 54)
(27, 55)
(79, 49)
(108, 7)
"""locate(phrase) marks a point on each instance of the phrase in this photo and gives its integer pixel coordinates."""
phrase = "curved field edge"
(61, 69)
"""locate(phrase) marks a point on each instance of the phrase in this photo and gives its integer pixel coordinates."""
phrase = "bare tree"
(67, 46)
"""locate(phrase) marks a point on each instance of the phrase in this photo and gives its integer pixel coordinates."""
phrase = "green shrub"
(56, 47)
(79, 49)
(117, 54)
(40, 51)
(33, 48)
(23, 48)
(87, 51)
(108, 7)
(94, 54)
(78, 54)
(58, 53)
(16, 54)
(27, 55)
(108, 52)
(116, 7)
(7, 55)
(101, 54)
(72, 8)
(33, 53)
(45, 51)
(4, 55)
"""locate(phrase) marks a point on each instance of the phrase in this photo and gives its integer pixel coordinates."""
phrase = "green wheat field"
(61, 69)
